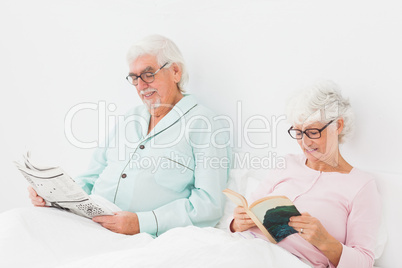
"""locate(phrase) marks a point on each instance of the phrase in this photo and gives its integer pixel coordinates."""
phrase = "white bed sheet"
(46, 237)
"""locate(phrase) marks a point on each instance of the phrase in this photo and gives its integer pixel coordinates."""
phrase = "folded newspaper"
(59, 190)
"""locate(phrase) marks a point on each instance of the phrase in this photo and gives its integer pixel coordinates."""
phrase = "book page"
(28, 163)
(261, 206)
(104, 202)
(236, 198)
(274, 213)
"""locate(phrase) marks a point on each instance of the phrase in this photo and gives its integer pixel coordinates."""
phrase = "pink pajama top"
(347, 205)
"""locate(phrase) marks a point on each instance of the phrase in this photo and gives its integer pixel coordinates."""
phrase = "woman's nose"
(306, 140)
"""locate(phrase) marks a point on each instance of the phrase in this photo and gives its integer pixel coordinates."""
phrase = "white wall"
(57, 54)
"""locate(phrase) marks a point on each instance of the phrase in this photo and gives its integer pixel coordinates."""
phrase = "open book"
(59, 190)
(271, 214)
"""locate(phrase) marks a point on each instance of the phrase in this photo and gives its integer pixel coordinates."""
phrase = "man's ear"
(176, 72)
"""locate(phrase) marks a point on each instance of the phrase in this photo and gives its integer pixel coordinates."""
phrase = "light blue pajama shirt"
(171, 177)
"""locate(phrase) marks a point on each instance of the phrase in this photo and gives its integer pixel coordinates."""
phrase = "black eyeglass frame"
(306, 131)
(135, 77)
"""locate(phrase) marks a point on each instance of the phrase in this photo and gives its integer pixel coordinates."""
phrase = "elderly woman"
(340, 204)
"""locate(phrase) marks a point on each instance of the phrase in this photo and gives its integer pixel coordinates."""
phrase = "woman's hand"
(313, 231)
(36, 200)
(241, 221)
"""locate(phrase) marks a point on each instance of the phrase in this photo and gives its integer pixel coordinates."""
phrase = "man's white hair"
(321, 102)
(164, 50)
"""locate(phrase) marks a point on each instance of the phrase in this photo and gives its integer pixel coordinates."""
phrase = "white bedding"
(46, 237)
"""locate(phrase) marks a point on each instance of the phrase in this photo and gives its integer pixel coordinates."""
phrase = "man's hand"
(123, 222)
(241, 220)
(36, 200)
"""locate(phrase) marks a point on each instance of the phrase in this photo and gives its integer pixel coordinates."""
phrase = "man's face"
(162, 93)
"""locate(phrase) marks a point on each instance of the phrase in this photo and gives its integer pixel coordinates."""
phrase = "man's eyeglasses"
(312, 133)
(147, 77)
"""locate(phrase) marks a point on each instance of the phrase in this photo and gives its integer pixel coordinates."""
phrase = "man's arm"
(204, 207)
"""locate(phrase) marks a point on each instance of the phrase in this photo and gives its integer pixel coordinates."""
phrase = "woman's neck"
(337, 164)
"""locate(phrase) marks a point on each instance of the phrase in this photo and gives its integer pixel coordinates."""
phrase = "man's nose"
(142, 85)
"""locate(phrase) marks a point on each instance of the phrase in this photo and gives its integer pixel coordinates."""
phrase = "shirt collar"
(187, 103)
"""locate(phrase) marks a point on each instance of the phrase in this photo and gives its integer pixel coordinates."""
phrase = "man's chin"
(152, 105)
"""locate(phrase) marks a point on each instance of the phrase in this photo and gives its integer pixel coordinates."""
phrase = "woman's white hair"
(321, 102)
(164, 50)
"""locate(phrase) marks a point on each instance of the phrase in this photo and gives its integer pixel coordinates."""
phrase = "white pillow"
(388, 246)
(244, 181)
(382, 239)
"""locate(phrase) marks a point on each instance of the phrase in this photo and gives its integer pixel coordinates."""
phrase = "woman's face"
(324, 149)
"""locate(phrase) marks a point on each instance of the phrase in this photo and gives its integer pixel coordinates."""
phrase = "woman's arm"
(313, 231)
(361, 231)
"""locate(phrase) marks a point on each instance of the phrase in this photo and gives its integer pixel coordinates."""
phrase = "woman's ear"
(340, 123)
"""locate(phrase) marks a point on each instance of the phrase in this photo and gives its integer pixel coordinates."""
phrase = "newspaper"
(59, 190)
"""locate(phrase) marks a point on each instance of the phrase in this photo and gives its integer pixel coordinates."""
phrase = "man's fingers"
(36, 200)
(32, 193)
(38, 203)
(103, 219)
(30, 190)
(98, 219)
(107, 225)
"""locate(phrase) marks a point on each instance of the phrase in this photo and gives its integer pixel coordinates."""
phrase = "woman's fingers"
(242, 220)
(241, 214)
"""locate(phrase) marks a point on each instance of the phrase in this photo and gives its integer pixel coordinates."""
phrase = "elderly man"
(167, 163)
